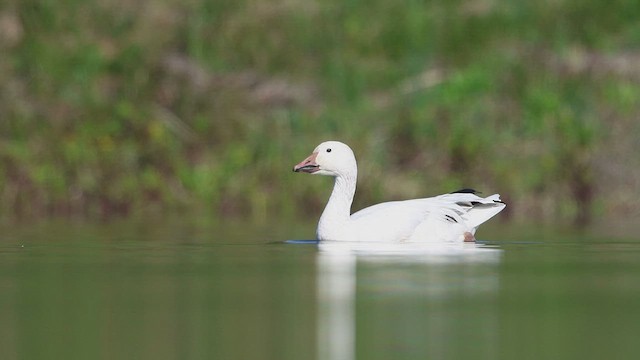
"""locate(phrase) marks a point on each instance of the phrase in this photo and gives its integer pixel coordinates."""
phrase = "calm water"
(182, 290)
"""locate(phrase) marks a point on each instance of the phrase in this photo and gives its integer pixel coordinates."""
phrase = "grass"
(110, 107)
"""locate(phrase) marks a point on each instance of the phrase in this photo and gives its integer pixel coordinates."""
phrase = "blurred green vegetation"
(123, 107)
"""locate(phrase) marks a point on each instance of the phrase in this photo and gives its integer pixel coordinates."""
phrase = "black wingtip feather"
(451, 218)
(466, 191)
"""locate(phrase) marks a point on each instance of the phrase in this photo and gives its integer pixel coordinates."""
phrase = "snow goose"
(448, 218)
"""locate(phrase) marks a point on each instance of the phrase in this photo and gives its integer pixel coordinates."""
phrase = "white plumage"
(446, 218)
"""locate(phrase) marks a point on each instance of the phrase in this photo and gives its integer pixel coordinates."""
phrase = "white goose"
(450, 217)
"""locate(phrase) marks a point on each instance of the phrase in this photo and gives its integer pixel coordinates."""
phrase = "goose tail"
(483, 210)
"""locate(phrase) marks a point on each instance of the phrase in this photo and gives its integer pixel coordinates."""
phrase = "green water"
(180, 290)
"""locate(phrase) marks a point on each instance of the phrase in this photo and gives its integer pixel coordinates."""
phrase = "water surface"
(183, 289)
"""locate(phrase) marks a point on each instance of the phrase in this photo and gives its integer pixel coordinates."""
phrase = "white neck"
(336, 217)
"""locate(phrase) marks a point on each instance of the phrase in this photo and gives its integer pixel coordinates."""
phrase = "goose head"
(331, 158)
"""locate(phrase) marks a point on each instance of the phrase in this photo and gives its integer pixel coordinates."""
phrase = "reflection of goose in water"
(400, 276)
(446, 218)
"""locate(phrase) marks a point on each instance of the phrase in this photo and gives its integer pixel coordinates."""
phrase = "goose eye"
(328, 150)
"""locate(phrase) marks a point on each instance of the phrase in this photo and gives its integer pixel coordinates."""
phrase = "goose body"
(450, 217)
